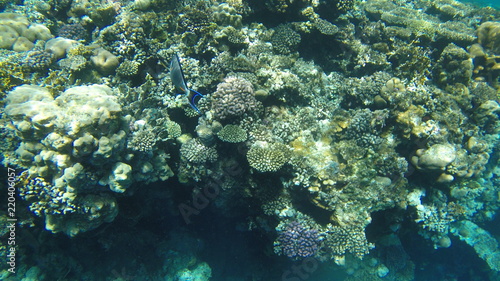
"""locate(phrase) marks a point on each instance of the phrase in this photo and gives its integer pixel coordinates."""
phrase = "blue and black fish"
(179, 82)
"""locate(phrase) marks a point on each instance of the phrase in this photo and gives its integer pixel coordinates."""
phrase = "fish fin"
(192, 100)
(177, 75)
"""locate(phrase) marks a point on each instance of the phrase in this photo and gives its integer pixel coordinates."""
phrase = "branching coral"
(285, 39)
(232, 133)
(297, 241)
(265, 157)
(142, 140)
(194, 151)
(347, 239)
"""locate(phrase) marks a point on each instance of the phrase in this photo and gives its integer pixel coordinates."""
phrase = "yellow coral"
(488, 35)
(80, 50)
(11, 75)
(410, 119)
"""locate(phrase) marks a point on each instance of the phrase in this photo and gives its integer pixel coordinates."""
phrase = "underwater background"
(249, 140)
(484, 3)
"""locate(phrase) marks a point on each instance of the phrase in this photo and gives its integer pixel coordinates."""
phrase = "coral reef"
(64, 140)
(341, 130)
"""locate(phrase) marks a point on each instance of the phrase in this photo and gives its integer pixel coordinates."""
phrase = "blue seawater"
(484, 3)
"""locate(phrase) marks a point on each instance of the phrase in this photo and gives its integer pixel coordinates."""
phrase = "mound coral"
(64, 144)
(17, 34)
(234, 98)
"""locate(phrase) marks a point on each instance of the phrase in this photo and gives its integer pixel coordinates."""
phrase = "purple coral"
(73, 31)
(296, 241)
(234, 97)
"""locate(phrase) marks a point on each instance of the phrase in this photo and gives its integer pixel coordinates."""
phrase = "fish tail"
(192, 101)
